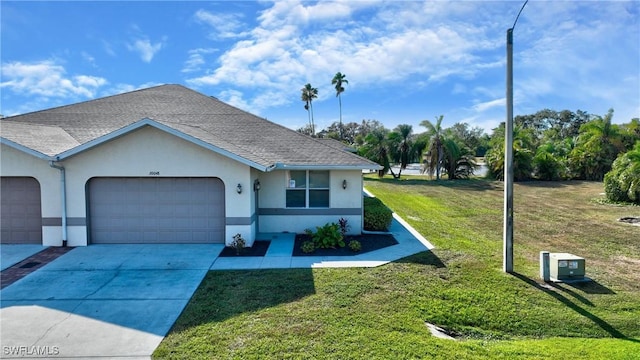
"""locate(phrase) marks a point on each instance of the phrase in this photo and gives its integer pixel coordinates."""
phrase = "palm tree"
(308, 94)
(598, 145)
(435, 151)
(459, 161)
(339, 79)
(523, 140)
(403, 131)
(622, 183)
(376, 149)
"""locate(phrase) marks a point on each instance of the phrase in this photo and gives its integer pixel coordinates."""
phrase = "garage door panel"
(156, 210)
(20, 211)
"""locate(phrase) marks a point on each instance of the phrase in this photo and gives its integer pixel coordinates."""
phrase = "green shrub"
(622, 183)
(308, 247)
(377, 216)
(328, 236)
(355, 245)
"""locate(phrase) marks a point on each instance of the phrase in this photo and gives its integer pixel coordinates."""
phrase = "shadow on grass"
(226, 294)
(423, 258)
(550, 289)
(591, 287)
(555, 184)
(473, 184)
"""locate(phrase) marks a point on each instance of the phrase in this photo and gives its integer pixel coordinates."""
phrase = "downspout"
(63, 184)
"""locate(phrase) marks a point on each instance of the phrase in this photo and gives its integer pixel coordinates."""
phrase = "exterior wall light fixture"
(344, 184)
(256, 185)
(239, 188)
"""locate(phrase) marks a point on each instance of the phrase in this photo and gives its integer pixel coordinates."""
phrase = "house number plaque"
(154, 173)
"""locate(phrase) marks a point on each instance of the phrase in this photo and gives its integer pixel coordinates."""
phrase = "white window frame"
(306, 190)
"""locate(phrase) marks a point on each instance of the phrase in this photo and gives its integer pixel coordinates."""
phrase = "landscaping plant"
(328, 236)
(238, 243)
(377, 216)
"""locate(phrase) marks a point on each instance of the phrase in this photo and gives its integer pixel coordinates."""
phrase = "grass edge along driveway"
(380, 313)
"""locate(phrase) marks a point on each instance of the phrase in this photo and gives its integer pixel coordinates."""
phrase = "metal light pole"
(507, 263)
(507, 249)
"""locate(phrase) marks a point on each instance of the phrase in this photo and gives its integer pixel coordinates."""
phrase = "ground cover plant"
(368, 243)
(380, 313)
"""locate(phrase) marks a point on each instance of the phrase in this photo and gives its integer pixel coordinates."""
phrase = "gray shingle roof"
(196, 115)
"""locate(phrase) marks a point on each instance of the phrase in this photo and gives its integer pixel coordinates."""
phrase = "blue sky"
(406, 61)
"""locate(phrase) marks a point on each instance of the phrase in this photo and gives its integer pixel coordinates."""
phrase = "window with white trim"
(308, 189)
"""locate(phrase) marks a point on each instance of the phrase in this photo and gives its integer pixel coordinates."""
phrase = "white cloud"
(145, 48)
(48, 79)
(484, 106)
(298, 42)
(196, 59)
(225, 25)
(89, 58)
(235, 98)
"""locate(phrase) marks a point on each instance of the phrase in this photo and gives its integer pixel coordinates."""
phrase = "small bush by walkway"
(369, 242)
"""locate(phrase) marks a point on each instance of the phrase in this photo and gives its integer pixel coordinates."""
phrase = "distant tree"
(375, 148)
(523, 140)
(338, 80)
(550, 160)
(630, 133)
(459, 161)
(308, 94)
(597, 146)
(622, 183)
(307, 130)
(400, 138)
(472, 138)
(434, 153)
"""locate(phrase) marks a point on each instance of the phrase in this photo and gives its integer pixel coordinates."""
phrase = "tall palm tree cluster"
(547, 145)
(440, 150)
(309, 93)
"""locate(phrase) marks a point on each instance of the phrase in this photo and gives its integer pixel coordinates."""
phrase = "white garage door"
(156, 210)
(20, 212)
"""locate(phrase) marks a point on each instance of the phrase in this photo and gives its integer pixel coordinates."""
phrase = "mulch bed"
(259, 248)
(370, 242)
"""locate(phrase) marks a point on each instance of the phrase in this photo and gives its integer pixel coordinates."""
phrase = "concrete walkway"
(119, 301)
(278, 255)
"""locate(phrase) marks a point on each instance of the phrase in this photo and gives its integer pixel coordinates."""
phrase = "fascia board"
(281, 166)
(25, 149)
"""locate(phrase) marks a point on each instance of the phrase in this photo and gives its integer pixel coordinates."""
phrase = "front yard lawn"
(380, 313)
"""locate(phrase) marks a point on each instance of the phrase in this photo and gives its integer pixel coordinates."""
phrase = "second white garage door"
(156, 210)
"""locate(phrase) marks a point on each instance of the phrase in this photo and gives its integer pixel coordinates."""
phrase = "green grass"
(380, 313)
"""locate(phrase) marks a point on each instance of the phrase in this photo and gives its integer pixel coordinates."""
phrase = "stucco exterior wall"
(17, 163)
(150, 152)
(145, 152)
(343, 203)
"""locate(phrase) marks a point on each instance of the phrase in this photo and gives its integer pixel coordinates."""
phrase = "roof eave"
(281, 166)
(25, 149)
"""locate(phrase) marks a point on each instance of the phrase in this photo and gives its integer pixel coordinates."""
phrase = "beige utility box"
(564, 266)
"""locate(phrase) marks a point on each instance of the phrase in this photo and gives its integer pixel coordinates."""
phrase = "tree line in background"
(548, 145)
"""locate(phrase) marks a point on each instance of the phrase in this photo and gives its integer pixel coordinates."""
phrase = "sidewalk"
(279, 254)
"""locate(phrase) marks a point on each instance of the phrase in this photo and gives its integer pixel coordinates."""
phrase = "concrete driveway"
(12, 254)
(102, 301)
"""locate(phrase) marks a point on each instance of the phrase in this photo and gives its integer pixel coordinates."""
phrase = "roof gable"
(193, 116)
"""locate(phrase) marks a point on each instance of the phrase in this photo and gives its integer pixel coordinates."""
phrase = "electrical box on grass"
(564, 266)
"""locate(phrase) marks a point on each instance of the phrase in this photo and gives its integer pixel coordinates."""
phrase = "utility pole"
(507, 249)
(507, 264)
